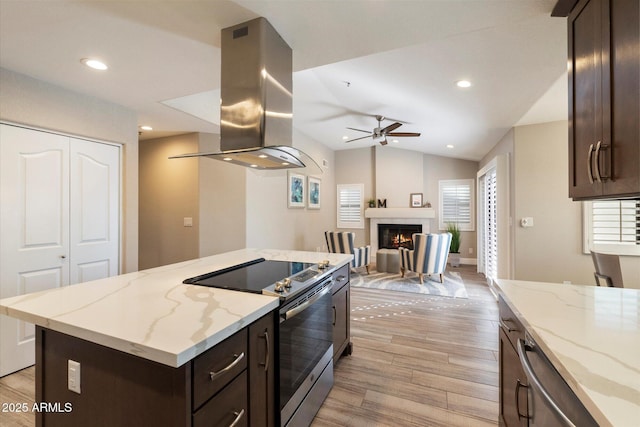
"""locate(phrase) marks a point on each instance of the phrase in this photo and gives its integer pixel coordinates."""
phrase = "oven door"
(305, 347)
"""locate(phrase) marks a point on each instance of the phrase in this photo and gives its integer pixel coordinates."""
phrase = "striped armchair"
(429, 255)
(341, 242)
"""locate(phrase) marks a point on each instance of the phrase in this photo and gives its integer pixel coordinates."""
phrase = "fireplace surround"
(422, 216)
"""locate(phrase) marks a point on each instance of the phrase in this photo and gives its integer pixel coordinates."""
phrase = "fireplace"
(394, 236)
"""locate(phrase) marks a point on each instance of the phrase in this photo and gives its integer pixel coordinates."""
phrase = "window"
(457, 204)
(350, 206)
(612, 226)
(488, 228)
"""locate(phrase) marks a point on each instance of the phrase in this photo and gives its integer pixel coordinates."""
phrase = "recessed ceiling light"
(146, 127)
(263, 156)
(463, 83)
(449, 146)
(285, 163)
(345, 137)
(254, 166)
(227, 159)
(395, 140)
(94, 63)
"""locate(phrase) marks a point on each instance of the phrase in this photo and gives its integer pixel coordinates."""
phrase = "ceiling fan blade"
(360, 130)
(390, 128)
(403, 134)
(356, 139)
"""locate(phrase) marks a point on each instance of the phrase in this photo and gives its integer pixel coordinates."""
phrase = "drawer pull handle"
(239, 416)
(518, 385)
(237, 359)
(503, 323)
(266, 358)
(340, 278)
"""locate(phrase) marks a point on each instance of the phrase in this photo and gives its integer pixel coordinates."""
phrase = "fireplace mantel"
(377, 216)
(400, 213)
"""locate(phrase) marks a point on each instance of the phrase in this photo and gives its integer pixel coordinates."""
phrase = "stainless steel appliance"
(551, 402)
(256, 102)
(305, 332)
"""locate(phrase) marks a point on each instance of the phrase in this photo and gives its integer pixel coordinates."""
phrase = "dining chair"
(608, 272)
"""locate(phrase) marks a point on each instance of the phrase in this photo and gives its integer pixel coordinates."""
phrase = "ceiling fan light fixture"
(463, 83)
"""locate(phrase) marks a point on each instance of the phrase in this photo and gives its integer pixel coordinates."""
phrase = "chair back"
(430, 252)
(607, 269)
(340, 242)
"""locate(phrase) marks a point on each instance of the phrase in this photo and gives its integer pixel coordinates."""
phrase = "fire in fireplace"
(394, 236)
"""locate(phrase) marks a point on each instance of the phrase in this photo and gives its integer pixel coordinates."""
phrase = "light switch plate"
(188, 221)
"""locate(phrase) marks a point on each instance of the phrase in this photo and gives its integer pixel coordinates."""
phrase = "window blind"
(616, 221)
(456, 204)
(350, 206)
(491, 225)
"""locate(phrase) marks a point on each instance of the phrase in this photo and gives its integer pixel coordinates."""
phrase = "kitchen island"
(591, 335)
(142, 334)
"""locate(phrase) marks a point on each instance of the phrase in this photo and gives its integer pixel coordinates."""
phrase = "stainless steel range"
(305, 332)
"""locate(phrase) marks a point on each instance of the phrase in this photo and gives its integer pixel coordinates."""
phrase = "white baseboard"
(469, 261)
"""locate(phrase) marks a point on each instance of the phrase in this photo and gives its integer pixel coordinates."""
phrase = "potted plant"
(454, 251)
(372, 203)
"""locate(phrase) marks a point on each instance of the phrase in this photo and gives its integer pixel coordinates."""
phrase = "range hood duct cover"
(256, 107)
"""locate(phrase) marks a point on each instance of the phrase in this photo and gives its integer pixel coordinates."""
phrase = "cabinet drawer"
(509, 323)
(214, 369)
(340, 277)
(227, 407)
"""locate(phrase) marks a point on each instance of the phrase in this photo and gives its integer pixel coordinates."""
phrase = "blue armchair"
(341, 242)
(428, 256)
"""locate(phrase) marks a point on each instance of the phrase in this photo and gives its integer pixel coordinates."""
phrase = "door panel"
(34, 218)
(95, 195)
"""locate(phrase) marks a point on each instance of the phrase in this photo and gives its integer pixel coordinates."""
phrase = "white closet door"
(95, 195)
(59, 222)
(34, 221)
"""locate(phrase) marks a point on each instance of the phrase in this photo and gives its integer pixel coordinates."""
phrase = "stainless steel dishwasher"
(551, 402)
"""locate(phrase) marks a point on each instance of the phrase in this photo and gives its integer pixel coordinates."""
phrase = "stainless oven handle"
(302, 307)
(535, 383)
(239, 416)
(237, 359)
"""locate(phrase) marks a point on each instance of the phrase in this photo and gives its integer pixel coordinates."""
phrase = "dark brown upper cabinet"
(604, 98)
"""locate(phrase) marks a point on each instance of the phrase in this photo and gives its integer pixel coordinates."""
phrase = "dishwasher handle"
(535, 383)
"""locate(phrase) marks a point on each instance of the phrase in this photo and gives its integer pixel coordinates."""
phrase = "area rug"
(452, 287)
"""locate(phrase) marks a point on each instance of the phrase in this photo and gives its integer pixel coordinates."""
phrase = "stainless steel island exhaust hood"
(256, 100)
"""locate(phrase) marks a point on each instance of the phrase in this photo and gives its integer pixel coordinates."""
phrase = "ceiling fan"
(382, 133)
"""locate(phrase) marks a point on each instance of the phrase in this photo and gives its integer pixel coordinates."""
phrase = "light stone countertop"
(592, 337)
(151, 313)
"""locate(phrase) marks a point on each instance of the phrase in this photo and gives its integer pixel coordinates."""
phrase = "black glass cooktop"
(252, 276)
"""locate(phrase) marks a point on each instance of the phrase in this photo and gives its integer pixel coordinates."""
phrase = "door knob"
(63, 256)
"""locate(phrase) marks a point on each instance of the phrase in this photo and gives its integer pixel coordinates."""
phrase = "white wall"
(398, 173)
(42, 105)
(271, 224)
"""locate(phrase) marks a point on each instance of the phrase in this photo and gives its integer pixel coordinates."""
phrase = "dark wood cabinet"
(262, 404)
(512, 380)
(341, 313)
(232, 382)
(604, 99)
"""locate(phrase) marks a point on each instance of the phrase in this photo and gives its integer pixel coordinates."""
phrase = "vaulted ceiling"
(353, 59)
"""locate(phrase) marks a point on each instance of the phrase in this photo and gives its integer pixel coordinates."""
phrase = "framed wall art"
(314, 193)
(295, 190)
(415, 200)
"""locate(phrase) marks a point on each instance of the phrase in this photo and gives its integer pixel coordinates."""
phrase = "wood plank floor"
(418, 360)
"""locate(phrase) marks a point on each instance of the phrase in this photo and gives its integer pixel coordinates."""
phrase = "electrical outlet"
(470, 251)
(73, 376)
